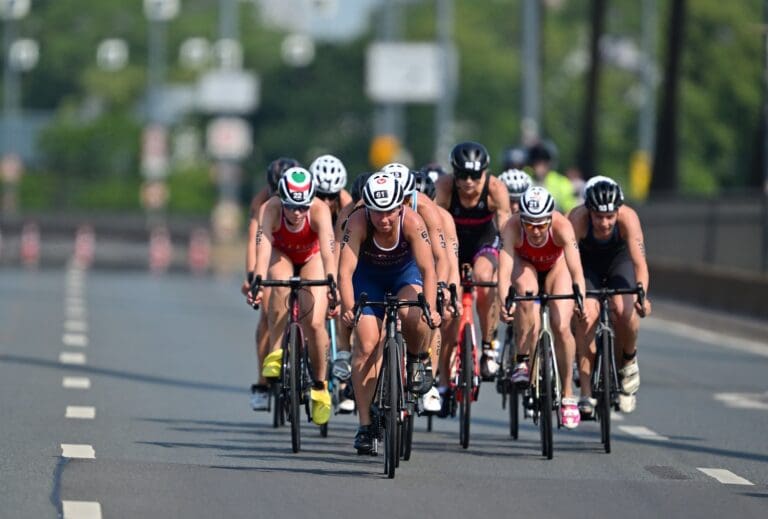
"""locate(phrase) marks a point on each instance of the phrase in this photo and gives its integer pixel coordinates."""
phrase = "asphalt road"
(158, 404)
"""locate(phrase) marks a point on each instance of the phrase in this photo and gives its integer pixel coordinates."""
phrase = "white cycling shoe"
(430, 401)
(259, 399)
(630, 378)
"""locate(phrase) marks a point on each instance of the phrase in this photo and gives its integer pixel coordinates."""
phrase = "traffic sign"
(404, 72)
(228, 91)
(228, 138)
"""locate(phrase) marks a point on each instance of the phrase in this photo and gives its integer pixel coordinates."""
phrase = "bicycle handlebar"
(467, 281)
(604, 293)
(543, 298)
(421, 302)
(297, 282)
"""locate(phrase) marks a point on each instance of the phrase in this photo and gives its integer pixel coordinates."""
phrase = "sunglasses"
(296, 207)
(464, 175)
(530, 226)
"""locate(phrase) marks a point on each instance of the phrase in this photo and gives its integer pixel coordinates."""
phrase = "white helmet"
(536, 203)
(382, 192)
(330, 174)
(403, 175)
(517, 182)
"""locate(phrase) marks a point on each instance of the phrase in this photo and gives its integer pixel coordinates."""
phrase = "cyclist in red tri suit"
(541, 254)
(295, 227)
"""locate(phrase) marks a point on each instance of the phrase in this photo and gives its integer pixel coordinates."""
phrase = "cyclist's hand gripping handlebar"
(426, 311)
(454, 299)
(255, 289)
(579, 298)
(641, 300)
(332, 295)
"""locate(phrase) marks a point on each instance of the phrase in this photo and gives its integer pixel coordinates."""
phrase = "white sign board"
(14, 9)
(161, 10)
(228, 138)
(112, 54)
(228, 91)
(403, 72)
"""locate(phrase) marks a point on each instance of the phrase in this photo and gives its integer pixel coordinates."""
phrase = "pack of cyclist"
(409, 232)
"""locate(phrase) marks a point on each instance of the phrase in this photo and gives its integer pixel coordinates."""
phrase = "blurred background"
(133, 124)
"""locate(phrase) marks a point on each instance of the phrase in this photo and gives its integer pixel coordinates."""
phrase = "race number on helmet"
(382, 192)
(296, 187)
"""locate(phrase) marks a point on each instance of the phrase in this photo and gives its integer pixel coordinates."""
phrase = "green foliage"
(191, 191)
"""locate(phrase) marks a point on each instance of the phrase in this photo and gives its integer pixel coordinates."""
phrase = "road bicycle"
(292, 388)
(393, 406)
(604, 378)
(510, 394)
(545, 392)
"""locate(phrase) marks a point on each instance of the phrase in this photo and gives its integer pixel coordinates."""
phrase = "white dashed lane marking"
(725, 476)
(76, 383)
(744, 400)
(644, 433)
(72, 358)
(81, 510)
(81, 451)
(75, 339)
(75, 326)
(80, 412)
(75, 312)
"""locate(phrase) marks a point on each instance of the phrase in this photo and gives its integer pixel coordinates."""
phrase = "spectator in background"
(540, 160)
(577, 181)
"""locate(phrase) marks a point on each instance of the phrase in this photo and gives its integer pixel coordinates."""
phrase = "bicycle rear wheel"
(467, 375)
(294, 384)
(278, 418)
(391, 429)
(510, 390)
(604, 397)
(545, 395)
(406, 440)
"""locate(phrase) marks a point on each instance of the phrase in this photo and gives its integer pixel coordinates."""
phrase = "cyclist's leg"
(313, 308)
(449, 332)
(484, 269)
(559, 282)
(527, 315)
(262, 334)
(366, 359)
(280, 267)
(415, 330)
(584, 332)
(624, 317)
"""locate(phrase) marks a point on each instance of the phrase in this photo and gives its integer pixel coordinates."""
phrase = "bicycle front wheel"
(546, 368)
(391, 409)
(294, 384)
(604, 397)
(510, 390)
(467, 375)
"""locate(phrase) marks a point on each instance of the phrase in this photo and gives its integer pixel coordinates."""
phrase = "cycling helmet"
(330, 174)
(514, 158)
(382, 192)
(434, 170)
(469, 156)
(536, 203)
(403, 175)
(296, 187)
(516, 181)
(276, 169)
(357, 187)
(539, 153)
(424, 184)
(604, 195)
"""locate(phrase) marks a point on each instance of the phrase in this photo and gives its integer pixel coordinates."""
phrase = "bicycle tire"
(391, 431)
(407, 437)
(605, 403)
(514, 412)
(277, 405)
(510, 390)
(294, 384)
(467, 375)
(324, 430)
(429, 423)
(545, 396)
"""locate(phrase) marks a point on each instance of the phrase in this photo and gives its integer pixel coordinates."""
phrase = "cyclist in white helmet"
(541, 254)
(517, 181)
(385, 248)
(330, 180)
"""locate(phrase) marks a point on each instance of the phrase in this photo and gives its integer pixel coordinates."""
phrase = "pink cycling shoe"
(570, 415)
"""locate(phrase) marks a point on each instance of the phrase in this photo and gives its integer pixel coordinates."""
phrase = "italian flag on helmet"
(296, 187)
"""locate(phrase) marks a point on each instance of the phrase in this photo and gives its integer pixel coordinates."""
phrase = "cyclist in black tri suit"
(613, 256)
(479, 204)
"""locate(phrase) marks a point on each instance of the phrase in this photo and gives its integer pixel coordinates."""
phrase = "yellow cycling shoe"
(321, 405)
(272, 364)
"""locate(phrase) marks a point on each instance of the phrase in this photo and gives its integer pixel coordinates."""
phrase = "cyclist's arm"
(270, 216)
(564, 236)
(452, 240)
(443, 191)
(417, 235)
(253, 227)
(579, 218)
(632, 231)
(322, 224)
(500, 196)
(507, 257)
(344, 198)
(432, 219)
(350, 250)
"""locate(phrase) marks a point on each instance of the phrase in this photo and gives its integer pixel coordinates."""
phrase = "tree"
(587, 158)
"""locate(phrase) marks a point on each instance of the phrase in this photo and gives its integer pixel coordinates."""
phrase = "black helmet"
(357, 187)
(514, 158)
(276, 169)
(603, 196)
(423, 183)
(470, 157)
(539, 153)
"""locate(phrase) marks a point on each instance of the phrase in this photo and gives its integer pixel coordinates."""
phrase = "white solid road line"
(725, 476)
(72, 358)
(75, 339)
(80, 412)
(75, 312)
(714, 338)
(76, 383)
(81, 510)
(616, 417)
(744, 400)
(644, 433)
(75, 326)
(82, 451)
